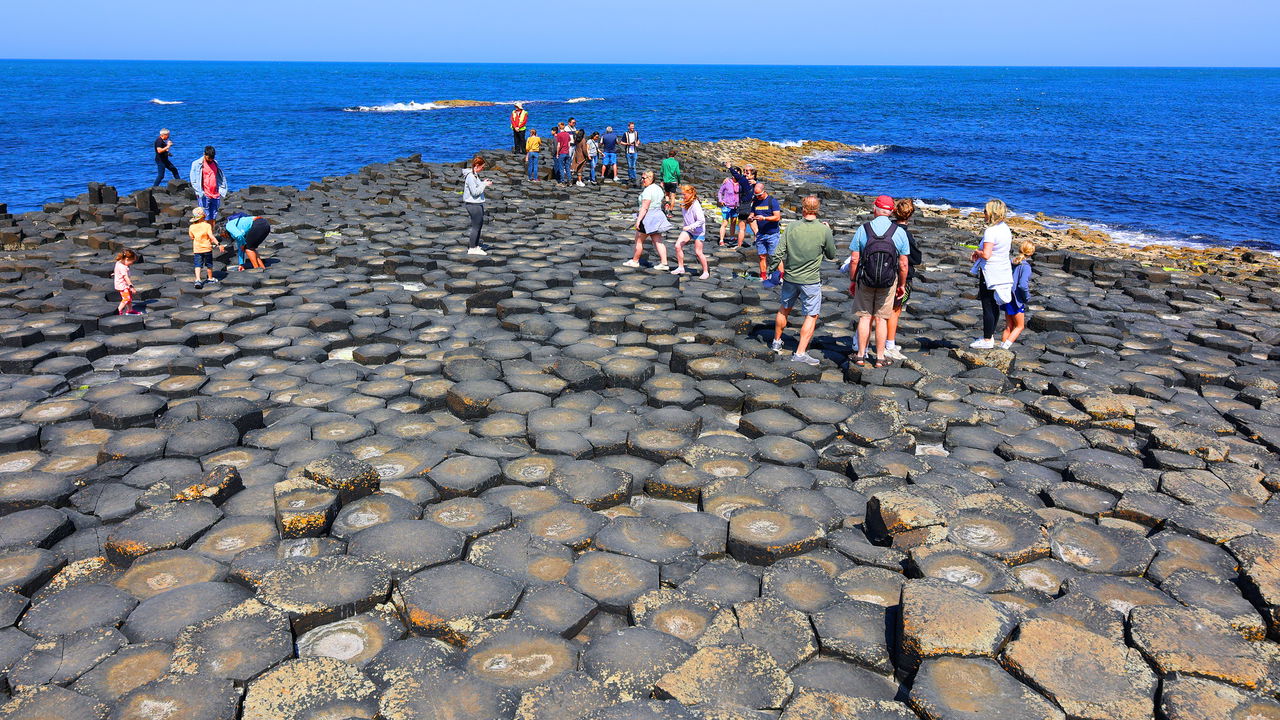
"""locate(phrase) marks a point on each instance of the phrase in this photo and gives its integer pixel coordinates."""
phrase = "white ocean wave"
(414, 106)
(394, 107)
(872, 149)
(931, 206)
(788, 143)
(158, 101)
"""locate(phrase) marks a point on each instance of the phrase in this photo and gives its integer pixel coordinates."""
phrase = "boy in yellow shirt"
(202, 242)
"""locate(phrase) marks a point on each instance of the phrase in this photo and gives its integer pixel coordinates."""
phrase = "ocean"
(1173, 155)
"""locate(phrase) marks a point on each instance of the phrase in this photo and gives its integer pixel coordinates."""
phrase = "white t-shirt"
(998, 270)
(652, 193)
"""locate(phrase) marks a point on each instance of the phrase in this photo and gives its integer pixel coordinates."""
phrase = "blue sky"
(838, 32)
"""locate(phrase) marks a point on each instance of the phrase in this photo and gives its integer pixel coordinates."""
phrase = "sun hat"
(884, 202)
(197, 214)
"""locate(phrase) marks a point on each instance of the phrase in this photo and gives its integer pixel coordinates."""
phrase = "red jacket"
(519, 118)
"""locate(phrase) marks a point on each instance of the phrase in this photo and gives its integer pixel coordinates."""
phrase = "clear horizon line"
(638, 64)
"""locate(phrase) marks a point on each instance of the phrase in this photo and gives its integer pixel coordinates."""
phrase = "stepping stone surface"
(384, 478)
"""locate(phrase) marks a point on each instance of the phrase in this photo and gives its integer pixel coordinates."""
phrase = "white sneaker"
(581, 184)
(476, 251)
(704, 276)
(1006, 345)
(679, 271)
(895, 352)
(663, 266)
(983, 344)
(631, 264)
(805, 358)
(777, 345)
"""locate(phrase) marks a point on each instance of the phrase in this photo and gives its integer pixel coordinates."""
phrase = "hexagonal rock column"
(943, 618)
(304, 508)
(1197, 642)
(172, 525)
(343, 473)
(953, 687)
(430, 602)
(322, 590)
(305, 688)
(734, 675)
(762, 536)
(1087, 675)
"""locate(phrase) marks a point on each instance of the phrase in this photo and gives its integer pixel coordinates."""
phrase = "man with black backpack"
(877, 276)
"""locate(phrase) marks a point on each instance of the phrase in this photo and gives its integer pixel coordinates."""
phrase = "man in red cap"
(877, 276)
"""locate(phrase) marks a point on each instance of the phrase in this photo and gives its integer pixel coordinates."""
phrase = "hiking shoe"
(777, 345)
(663, 266)
(631, 264)
(805, 358)
(679, 271)
(983, 344)
(476, 251)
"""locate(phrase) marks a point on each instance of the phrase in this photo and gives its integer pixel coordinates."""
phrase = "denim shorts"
(610, 159)
(809, 297)
(204, 259)
(765, 244)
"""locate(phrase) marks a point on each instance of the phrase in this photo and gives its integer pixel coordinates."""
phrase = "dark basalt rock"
(524, 457)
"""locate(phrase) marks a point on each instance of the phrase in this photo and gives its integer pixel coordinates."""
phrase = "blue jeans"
(631, 165)
(562, 167)
(593, 169)
(210, 206)
(533, 165)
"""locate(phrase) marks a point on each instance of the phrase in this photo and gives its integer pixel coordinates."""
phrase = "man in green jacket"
(799, 253)
(671, 177)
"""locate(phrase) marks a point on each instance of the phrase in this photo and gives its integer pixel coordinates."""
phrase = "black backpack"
(878, 261)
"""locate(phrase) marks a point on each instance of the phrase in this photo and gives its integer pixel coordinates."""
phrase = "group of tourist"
(883, 254)
(578, 158)
(246, 232)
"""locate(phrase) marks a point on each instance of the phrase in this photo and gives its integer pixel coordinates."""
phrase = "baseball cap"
(884, 202)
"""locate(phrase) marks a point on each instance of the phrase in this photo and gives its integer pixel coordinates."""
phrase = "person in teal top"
(247, 232)
(671, 178)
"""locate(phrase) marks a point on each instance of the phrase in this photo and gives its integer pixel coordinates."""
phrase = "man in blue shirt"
(609, 147)
(877, 300)
(766, 212)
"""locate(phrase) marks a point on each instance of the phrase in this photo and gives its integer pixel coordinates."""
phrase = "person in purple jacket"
(694, 229)
(728, 197)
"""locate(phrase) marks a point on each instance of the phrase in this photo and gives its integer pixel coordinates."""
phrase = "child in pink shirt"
(124, 283)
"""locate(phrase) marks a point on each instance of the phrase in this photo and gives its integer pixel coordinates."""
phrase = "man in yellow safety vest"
(519, 119)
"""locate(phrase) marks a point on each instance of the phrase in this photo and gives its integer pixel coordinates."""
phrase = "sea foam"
(158, 101)
(394, 107)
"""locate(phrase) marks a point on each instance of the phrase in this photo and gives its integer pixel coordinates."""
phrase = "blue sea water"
(1181, 154)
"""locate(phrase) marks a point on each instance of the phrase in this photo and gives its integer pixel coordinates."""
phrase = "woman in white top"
(650, 223)
(473, 200)
(995, 273)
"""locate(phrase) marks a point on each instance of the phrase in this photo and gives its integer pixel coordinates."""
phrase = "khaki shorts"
(874, 302)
